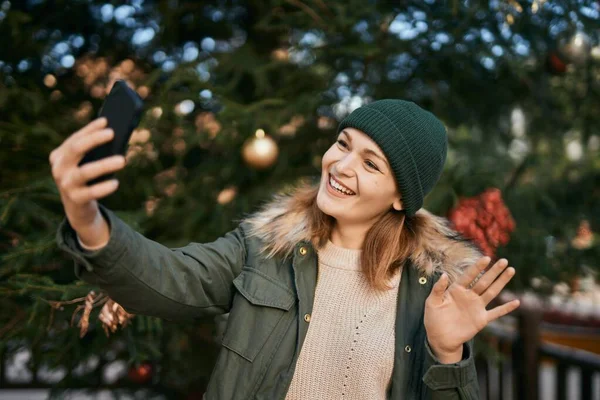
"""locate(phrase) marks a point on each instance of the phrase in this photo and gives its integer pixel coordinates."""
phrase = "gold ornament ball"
(261, 151)
(577, 48)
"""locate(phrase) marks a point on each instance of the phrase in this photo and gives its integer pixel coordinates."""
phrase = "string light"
(50, 80)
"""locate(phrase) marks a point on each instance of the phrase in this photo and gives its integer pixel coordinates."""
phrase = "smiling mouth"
(333, 184)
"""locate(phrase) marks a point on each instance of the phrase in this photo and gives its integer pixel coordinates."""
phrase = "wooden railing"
(515, 375)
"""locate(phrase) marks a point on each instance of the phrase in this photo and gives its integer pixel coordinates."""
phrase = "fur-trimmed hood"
(280, 224)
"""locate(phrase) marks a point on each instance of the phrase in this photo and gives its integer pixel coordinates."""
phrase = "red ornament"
(556, 64)
(140, 374)
(485, 219)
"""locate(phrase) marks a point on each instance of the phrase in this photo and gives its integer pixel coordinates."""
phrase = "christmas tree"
(242, 98)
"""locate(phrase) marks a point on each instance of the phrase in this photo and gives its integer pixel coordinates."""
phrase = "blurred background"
(242, 98)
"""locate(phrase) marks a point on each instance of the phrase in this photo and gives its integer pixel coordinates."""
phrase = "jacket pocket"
(259, 304)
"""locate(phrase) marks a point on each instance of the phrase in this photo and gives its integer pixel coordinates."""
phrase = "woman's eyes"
(369, 163)
(341, 142)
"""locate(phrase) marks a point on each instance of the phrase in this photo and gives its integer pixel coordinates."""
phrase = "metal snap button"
(407, 349)
(422, 280)
(307, 317)
(303, 250)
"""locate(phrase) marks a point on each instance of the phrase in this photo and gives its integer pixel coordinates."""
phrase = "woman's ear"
(397, 205)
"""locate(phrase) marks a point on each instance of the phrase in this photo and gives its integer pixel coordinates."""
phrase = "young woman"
(343, 289)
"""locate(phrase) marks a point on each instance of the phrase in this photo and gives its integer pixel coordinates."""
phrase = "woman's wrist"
(89, 248)
(97, 236)
(447, 356)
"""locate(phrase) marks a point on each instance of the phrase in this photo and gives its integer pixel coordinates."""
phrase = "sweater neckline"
(340, 257)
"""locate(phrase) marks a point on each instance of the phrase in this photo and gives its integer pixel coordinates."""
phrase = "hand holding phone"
(84, 163)
(122, 108)
(79, 200)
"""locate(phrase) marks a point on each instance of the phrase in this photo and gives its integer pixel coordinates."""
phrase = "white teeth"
(339, 187)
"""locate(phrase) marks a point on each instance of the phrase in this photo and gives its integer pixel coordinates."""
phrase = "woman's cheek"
(327, 158)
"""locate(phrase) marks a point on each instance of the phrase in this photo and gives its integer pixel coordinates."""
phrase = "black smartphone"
(122, 108)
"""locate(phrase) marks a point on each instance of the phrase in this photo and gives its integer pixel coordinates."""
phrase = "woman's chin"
(327, 205)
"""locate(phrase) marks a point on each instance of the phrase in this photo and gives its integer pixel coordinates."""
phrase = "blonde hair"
(387, 245)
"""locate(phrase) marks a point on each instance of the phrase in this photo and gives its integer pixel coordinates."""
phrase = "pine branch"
(16, 319)
(309, 11)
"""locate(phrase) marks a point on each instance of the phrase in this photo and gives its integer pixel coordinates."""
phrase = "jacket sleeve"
(456, 381)
(148, 278)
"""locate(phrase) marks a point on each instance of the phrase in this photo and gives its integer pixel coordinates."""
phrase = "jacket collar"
(281, 224)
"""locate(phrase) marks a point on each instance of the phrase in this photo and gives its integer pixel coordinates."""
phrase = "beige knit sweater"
(348, 352)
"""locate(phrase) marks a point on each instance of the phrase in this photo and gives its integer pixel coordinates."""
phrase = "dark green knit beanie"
(413, 140)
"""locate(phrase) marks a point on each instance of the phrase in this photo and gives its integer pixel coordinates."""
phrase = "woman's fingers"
(75, 179)
(436, 297)
(490, 276)
(70, 153)
(95, 169)
(86, 194)
(473, 271)
(502, 310)
(66, 148)
(97, 124)
(495, 288)
(82, 145)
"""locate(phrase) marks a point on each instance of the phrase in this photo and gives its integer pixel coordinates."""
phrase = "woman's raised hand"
(79, 200)
(455, 314)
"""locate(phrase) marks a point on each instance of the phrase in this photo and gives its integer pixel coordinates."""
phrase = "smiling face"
(357, 184)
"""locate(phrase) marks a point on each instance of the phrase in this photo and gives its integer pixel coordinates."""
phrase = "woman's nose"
(345, 165)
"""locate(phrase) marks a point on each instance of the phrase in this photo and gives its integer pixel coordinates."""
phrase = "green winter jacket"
(267, 297)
